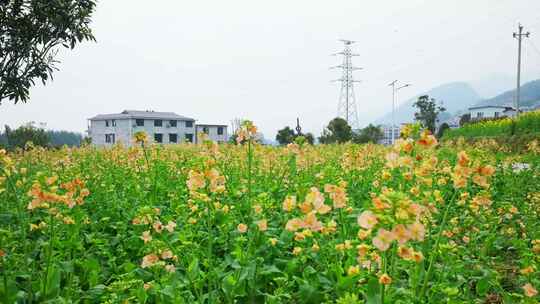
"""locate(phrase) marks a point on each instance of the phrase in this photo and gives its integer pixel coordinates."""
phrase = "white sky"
(268, 60)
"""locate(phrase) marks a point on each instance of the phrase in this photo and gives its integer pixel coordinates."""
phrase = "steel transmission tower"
(347, 100)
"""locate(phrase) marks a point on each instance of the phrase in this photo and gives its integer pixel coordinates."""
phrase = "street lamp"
(394, 91)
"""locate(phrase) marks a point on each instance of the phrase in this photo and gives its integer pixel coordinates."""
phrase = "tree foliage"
(444, 126)
(428, 112)
(18, 138)
(369, 134)
(285, 136)
(310, 139)
(31, 33)
(465, 118)
(61, 138)
(337, 131)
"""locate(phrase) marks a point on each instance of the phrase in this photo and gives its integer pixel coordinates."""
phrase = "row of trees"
(339, 131)
(17, 138)
(287, 135)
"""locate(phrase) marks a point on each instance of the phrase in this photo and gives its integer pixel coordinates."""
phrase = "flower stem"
(436, 247)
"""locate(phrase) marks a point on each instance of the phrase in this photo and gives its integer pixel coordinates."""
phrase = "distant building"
(452, 122)
(217, 133)
(387, 134)
(483, 112)
(160, 127)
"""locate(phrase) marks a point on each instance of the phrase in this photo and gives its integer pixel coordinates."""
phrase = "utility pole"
(347, 101)
(394, 91)
(519, 35)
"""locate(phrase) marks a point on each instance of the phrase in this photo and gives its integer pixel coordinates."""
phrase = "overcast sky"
(268, 60)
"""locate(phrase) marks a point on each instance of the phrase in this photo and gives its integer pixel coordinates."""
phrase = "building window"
(173, 138)
(189, 124)
(106, 123)
(158, 137)
(139, 122)
(205, 130)
(158, 123)
(497, 114)
(479, 114)
(172, 123)
(110, 138)
(220, 130)
(189, 137)
(113, 123)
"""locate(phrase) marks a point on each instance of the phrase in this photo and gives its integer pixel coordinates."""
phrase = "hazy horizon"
(269, 61)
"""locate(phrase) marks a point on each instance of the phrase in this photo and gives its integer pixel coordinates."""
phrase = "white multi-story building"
(217, 133)
(387, 134)
(482, 112)
(160, 127)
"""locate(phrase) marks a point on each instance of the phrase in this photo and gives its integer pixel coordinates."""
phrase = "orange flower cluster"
(427, 140)
(247, 132)
(313, 205)
(198, 180)
(536, 246)
(74, 194)
(153, 259)
(338, 194)
(150, 216)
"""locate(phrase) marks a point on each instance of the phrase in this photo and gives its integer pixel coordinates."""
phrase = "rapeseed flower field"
(418, 222)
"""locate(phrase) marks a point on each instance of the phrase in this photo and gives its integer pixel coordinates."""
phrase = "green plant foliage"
(369, 134)
(31, 33)
(337, 131)
(526, 123)
(418, 222)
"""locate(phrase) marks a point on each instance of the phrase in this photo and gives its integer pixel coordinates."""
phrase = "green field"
(414, 223)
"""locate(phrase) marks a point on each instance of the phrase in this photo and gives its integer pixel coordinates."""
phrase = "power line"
(456, 38)
(535, 48)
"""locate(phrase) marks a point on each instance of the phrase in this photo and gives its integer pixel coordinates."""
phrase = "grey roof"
(210, 125)
(126, 114)
(488, 106)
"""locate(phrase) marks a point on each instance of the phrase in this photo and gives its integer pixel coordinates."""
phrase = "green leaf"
(373, 291)
(228, 285)
(451, 291)
(309, 294)
(193, 269)
(482, 287)
(53, 282)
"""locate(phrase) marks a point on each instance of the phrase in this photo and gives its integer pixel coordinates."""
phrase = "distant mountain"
(530, 96)
(455, 96)
(493, 84)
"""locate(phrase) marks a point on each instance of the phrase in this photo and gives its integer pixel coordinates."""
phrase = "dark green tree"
(428, 112)
(444, 126)
(19, 137)
(31, 33)
(465, 118)
(285, 136)
(61, 138)
(86, 141)
(310, 139)
(337, 131)
(371, 134)
(3, 141)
